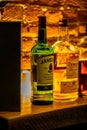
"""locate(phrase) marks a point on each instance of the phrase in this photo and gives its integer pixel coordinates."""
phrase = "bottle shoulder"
(42, 48)
(83, 42)
(64, 47)
(82, 46)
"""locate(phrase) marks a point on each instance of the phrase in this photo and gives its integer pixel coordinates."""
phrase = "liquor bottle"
(83, 65)
(66, 57)
(42, 60)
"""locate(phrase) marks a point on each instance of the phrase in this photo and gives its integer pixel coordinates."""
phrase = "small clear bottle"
(25, 89)
(42, 59)
(66, 57)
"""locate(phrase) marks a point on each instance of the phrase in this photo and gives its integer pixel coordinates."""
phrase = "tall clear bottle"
(42, 60)
(66, 58)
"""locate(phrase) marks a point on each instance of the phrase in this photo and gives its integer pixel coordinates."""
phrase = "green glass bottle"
(42, 59)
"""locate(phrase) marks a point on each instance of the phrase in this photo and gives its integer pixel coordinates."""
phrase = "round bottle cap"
(42, 21)
(63, 23)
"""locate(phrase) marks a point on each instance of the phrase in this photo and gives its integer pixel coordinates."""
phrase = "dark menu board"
(10, 44)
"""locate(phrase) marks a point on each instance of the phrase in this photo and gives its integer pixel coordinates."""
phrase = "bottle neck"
(63, 33)
(86, 29)
(42, 35)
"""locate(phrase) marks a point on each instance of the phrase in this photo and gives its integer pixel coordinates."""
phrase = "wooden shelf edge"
(48, 119)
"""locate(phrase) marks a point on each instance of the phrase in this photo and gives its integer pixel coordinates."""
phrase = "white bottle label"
(72, 67)
(66, 80)
(69, 86)
(45, 69)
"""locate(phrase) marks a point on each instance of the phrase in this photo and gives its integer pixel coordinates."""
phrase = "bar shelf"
(47, 117)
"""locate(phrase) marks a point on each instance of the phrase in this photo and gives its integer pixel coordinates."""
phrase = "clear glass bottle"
(25, 89)
(82, 46)
(42, 59)
(66, 58)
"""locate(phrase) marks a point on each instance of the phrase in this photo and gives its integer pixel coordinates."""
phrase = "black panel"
(10, 42)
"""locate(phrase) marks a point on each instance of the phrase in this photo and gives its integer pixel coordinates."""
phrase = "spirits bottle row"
(58, 72)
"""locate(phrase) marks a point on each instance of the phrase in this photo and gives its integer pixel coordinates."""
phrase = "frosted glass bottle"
(25, 90)
(66, 57)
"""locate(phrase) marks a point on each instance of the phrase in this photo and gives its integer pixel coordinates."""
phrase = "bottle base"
(83, 94)
(38, 102)
(66, 97)
(65, 100)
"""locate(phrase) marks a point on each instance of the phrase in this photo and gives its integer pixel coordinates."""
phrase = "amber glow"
(28, 15)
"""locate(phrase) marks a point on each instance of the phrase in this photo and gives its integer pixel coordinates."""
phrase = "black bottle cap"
(42, 21)
(63, 23)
